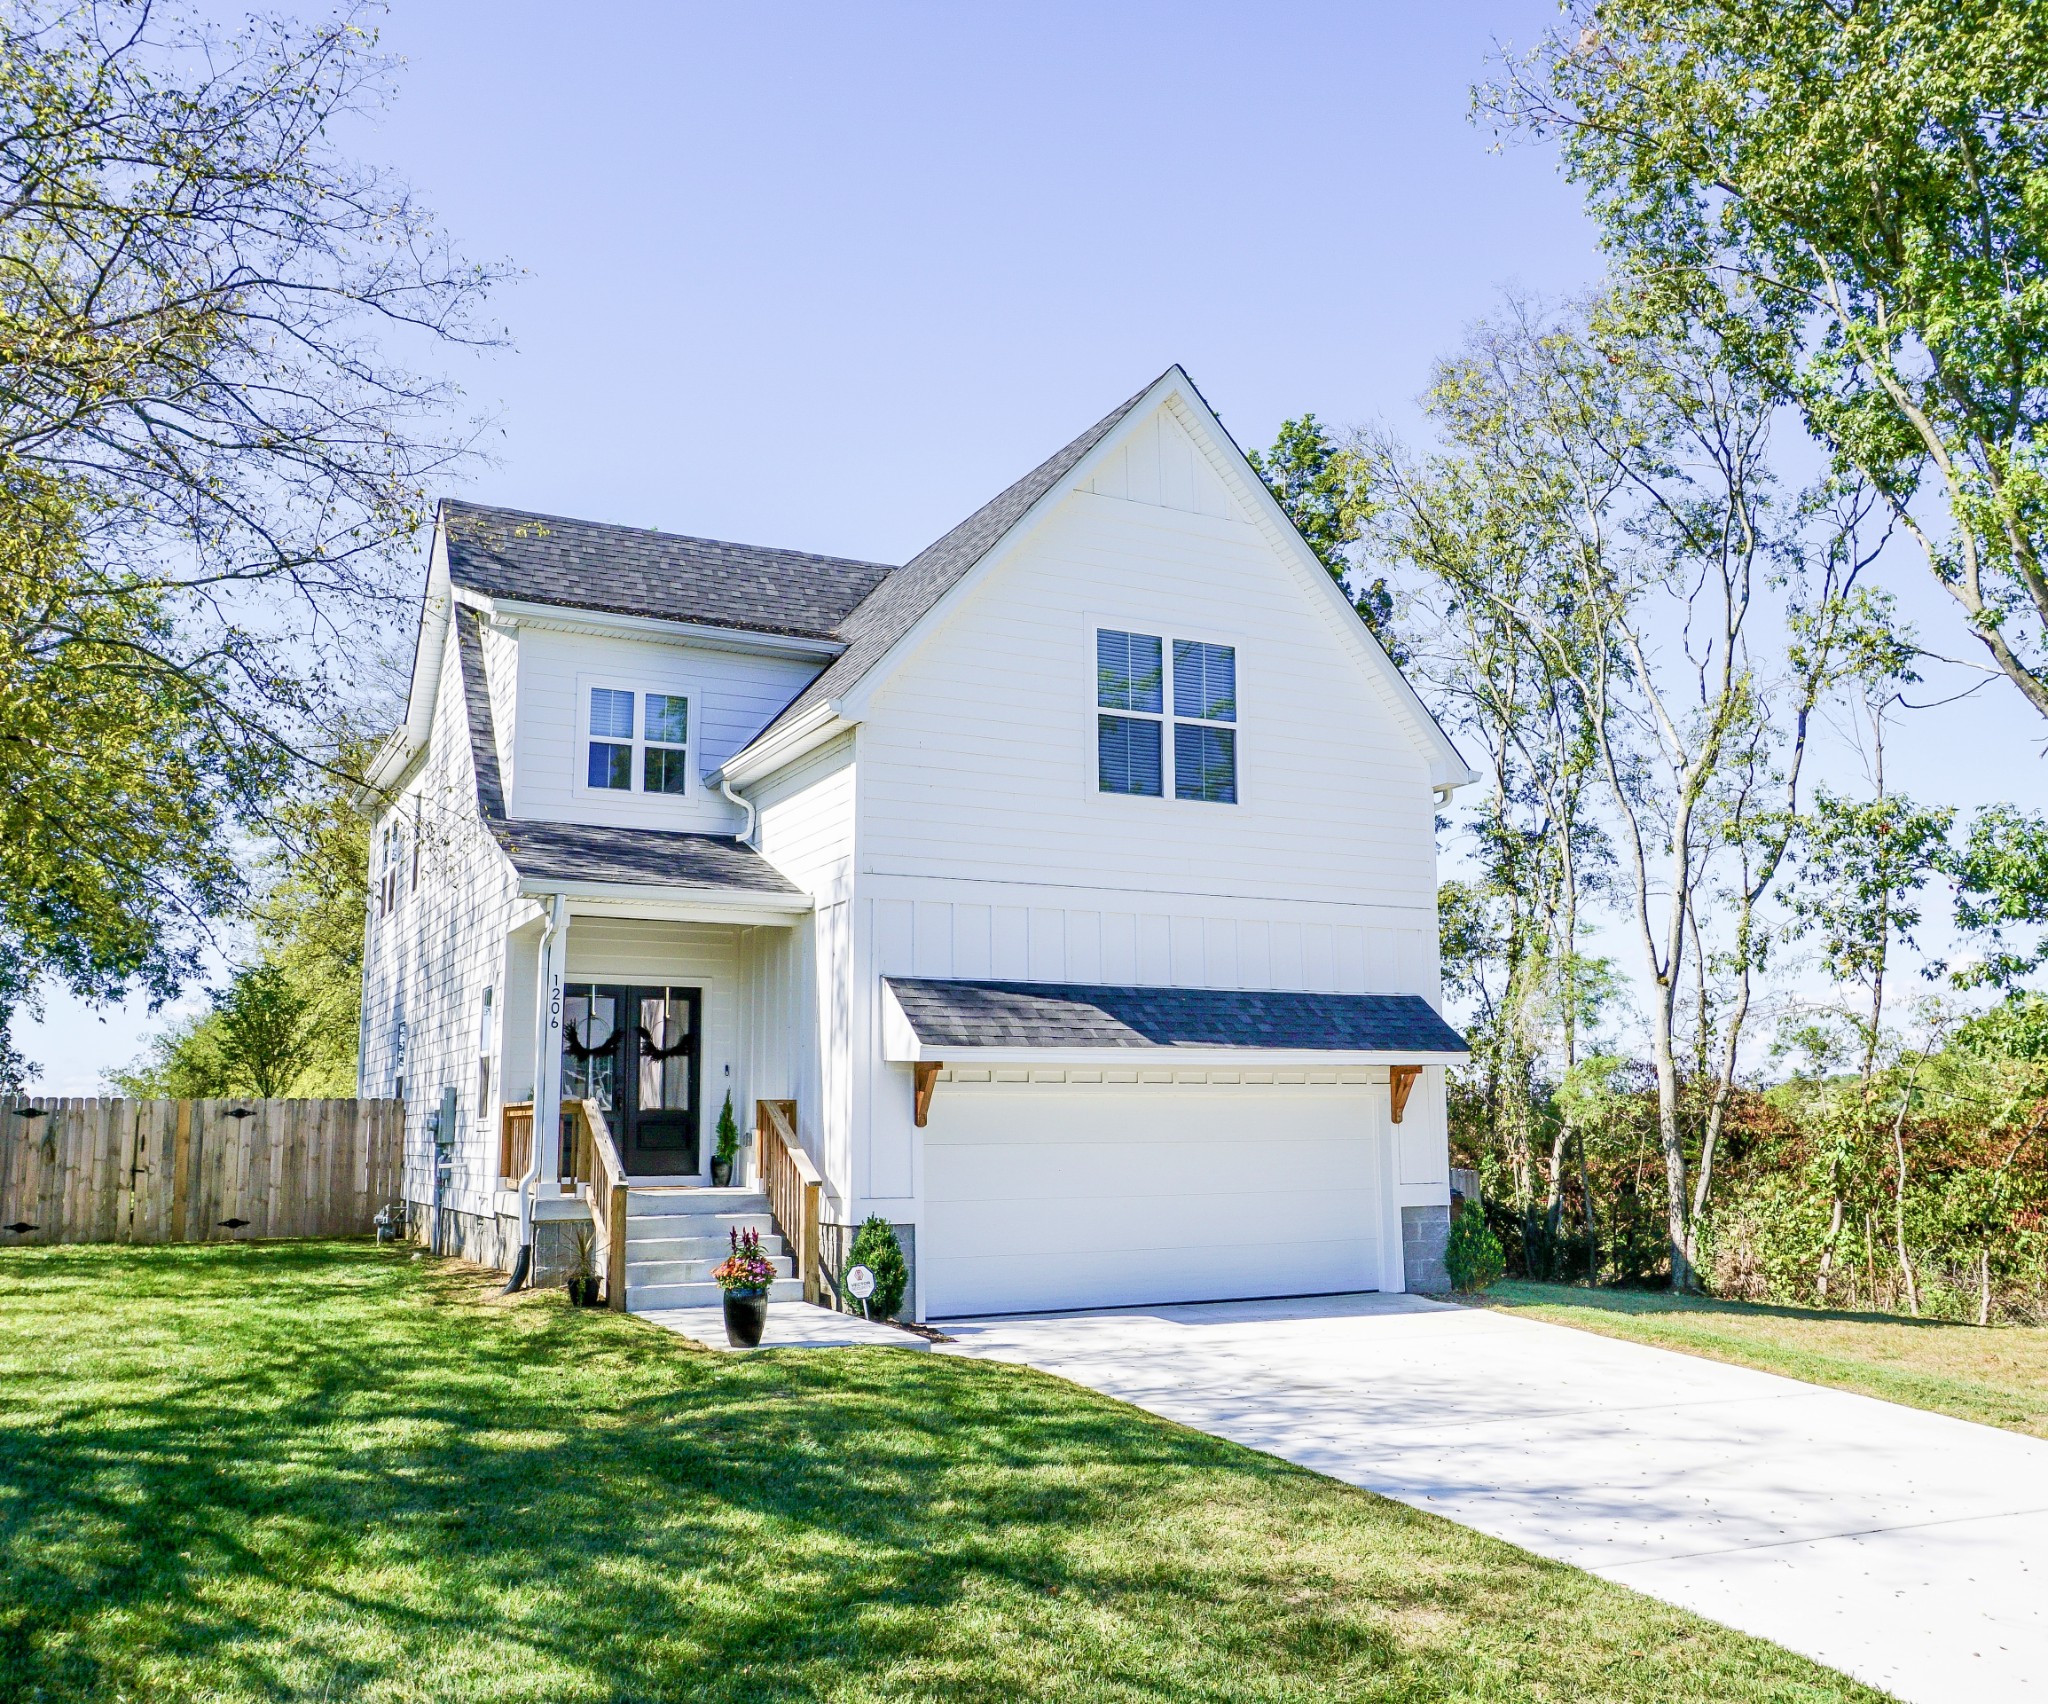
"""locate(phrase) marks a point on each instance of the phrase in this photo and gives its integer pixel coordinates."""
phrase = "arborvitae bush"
(875, 1247)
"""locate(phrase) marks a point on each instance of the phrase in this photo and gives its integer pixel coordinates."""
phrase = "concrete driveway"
(1908, 1549)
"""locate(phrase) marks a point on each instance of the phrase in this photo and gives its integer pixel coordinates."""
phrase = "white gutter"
(746, 834)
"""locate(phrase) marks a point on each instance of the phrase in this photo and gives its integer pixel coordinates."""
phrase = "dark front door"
(638, 1052)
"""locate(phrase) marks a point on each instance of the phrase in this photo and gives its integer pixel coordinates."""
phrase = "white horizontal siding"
(426, 965)
(734, 696)
(978, 756)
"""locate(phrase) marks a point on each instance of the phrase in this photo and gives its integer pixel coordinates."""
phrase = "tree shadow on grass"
(325, 1471)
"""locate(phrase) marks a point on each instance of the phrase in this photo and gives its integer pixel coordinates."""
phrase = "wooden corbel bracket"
(1400, 1079)
(926, 1072)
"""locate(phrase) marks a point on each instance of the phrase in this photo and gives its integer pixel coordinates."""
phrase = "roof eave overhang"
(577, 618)
(667, 902)
(783, 745)
(910, 1050)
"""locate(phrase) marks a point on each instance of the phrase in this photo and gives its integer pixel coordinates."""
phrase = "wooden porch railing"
(515, 1140)
(793, 1184)
(599, 1170)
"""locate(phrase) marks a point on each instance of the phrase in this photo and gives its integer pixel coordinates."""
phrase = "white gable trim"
(1175, 391)
(408, 741)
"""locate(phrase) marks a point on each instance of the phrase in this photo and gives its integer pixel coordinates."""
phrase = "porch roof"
(579, 854)
(943, 1017)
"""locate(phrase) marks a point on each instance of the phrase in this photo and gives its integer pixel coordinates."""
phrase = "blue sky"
(828, 276)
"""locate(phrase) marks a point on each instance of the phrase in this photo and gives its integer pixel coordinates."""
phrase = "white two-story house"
(1074, 880)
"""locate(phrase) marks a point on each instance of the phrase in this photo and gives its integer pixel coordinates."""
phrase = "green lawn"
(329, 1471)
(1997, 1376)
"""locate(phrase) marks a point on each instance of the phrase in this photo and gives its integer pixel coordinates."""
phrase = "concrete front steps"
(675, 1236)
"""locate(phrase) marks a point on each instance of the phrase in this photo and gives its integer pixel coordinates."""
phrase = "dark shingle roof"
(589, 852)
(895, 606)
(508, 553)
(1053, 1014)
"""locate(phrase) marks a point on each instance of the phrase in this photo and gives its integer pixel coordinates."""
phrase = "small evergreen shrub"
(875, 1247)
(728, 1132)
(1473, 1257)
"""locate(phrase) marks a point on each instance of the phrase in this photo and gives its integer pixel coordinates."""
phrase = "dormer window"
(638, 741)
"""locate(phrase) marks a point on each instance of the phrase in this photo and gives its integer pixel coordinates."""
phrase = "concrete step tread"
(659, 1202)
(703, 1228)
(640, 1297)
(693, 1248)
(689, 1271)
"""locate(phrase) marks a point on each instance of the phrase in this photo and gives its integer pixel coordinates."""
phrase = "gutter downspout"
(543, 1033)
(746, 835)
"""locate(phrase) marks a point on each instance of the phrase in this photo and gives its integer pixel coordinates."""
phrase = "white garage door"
(1054, 1195)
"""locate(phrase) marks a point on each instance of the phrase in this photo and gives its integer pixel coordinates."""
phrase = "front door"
(638, 1052)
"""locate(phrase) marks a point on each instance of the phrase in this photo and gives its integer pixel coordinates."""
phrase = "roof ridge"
(448, 503)
(903, 598)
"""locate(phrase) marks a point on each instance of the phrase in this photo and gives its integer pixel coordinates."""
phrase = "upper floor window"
(639, 741)
(1131, 741)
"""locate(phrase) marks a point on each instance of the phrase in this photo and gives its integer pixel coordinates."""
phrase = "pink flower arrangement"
(746, 1268)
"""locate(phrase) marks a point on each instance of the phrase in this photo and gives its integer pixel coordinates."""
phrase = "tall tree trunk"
(1899, 1203)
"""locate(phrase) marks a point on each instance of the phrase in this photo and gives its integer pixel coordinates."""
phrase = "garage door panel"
(1059, 1171)
(1222, 1218)
(991, 1283)
(1053, 1196)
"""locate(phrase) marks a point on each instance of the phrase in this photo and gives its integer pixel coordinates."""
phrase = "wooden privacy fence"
(160, 1171)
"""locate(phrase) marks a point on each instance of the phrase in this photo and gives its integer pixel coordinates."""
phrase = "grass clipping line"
(327, 1470)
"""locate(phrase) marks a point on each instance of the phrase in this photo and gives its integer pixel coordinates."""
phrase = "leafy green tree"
(1865, 864)
(1871, 173)
(2001, 878)
(211, 467)
(1315, 482)
(307, 920)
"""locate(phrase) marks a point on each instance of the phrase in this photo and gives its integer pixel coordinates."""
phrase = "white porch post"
(547, 1064)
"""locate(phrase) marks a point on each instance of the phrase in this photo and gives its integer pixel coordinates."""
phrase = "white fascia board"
(564, 618)
(907, 1050)
(817, 725)
(408, 740)
(1448, 769)
(672, 904)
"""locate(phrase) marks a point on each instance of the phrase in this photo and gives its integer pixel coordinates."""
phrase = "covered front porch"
(634, 1025)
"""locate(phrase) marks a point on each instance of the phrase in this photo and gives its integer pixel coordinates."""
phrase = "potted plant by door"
(745, 1275)
(728, 1146)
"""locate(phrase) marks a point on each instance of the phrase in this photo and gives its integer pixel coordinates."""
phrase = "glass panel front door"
(638, 1052)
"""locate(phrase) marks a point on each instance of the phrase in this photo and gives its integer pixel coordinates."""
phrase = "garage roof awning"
(931, 1019)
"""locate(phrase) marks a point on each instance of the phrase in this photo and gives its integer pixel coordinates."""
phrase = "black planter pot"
(746, 1317)
(583, 1291)
(721, 1174)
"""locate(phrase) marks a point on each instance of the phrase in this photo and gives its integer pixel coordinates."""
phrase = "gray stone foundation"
(1425, 1234)
(492, 1239)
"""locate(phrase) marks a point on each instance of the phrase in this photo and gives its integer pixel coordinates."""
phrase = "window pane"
(1205, 763)
(1128, 671)
(611, 765)
(662, 770)
(1127, 755)
(611, 714)
(665, 1054)
(1204, 681)
(668, 718)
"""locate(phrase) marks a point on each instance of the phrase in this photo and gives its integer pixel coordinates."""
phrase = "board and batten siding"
(426, 965)
(806, 815)
(733, 696)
